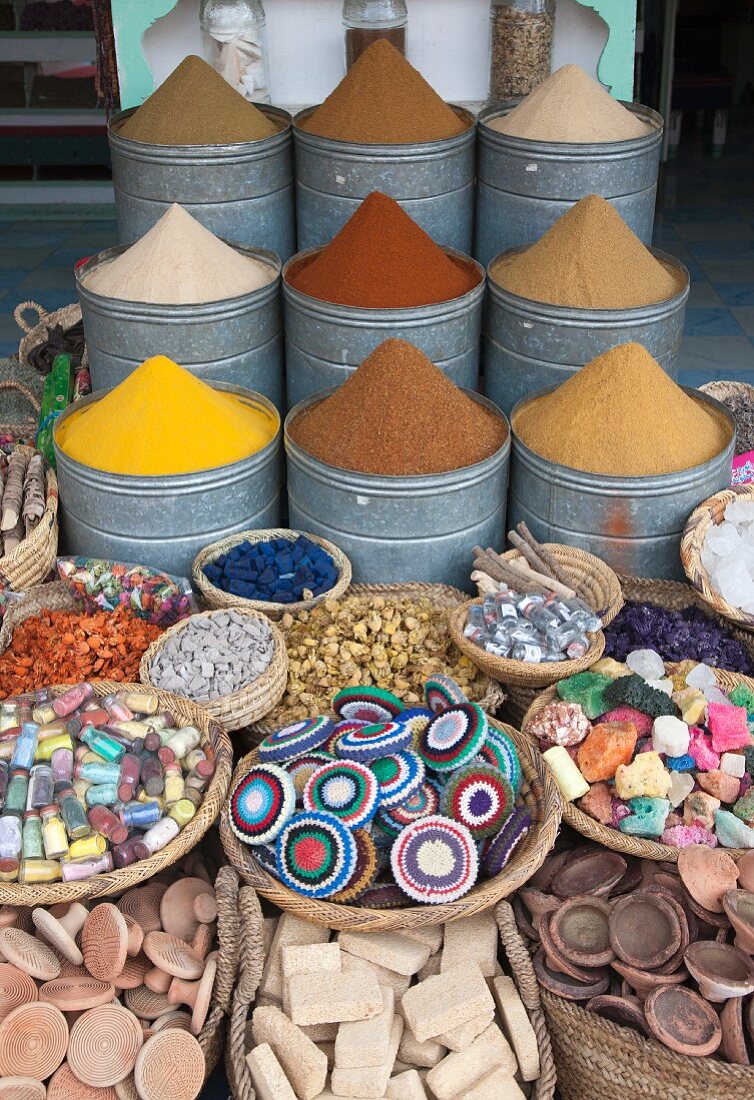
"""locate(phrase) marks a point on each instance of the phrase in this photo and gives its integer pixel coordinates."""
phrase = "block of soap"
(459, 1071)
(471, 940)
(570, 781)
(389, 949)
(289, 930)
(333, 998)
(364, 1043)
(406, 1086)
(517, 1026)
(399, 983)
(304, 1064)
(446, 1001)
(432, 935)
(268, 1078)
(498, 1085)
(426, 1054)
(372, 1082)
(461, 1037)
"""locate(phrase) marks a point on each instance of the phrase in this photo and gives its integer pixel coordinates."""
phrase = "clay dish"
(132, 974)
(21, 1088)
(707, 874)
(733, 1045)
(76, 994)
(103, 1045)
(721, 970)
(675, 959)
(562, 986)
(205, 908)
(61, 932)
(523, 921)
(155, 1072)
(631, 880)
(739, 909)
(135, 935)
(746, 871)
(177, 907)
(542, 879)
(143, 904)
(65, 1085)
(683, 1020)
(158, 980)
(16, 988)
(538, 904)
(202, 941)
(146, 1004)
(626, 1011)
(595, 873)
(33, 1041)
(104, 942)
(197, 995)
(643, 982)
(558, 963)
(645, 930)
(126, 1089)
(711, 920)
(580, 931)
(171, 954)
(29, 954)
(181, 1020)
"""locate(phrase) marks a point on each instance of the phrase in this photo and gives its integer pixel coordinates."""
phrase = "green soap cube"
(588, 689)
(742, 696)
(744, 807)
(647, 818)
(633, 691)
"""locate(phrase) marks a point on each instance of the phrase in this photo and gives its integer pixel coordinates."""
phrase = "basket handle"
(249, 977)
(21, 321)
(228, 935)
(33, 401)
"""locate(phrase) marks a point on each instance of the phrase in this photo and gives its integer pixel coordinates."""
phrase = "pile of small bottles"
(531, 627)
(91, 784)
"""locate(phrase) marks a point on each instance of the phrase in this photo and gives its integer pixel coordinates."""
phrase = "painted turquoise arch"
(616, 65)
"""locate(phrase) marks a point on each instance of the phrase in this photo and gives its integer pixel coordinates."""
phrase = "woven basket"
(43, 597)
(249, 703)
(722, 391)
(541, 796)
(215, 597)
(25, 429)
(35, 556)
(215, 738)
(599, 1060)
(212, 1036)
(711, 512)
(39, 331)
(603, 834)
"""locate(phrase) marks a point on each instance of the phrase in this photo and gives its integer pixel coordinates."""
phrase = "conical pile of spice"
(195, 106)
(589, 259)
(621, 414)
(398, 414)
(162, 420)
(382, 259)
(570, 106)
(178, 262)
(383, 100)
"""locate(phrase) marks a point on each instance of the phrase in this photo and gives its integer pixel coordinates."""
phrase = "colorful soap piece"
(399, 776)
(606, 747)
(368, 704)
(295, 740)
(588, 689)
(345, 788)
(480, 797)
(560, 724)
(646, 818)
(316, 854)
(454, 737)
(633, 691)
(646, 777)
(434, 860)
(261, 803)
(728, 726)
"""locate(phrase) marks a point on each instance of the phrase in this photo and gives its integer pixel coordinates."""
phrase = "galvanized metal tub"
(633, 523)
(432, 180)
(325, 342)
(528, 345)
(237, 340)
(242, 191)
(163, 522)
(396, 529)
(524, 186)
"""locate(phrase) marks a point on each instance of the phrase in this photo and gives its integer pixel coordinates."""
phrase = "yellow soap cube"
(692, 704)
(646, 777)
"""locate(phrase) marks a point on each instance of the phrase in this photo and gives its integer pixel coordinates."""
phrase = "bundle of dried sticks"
(537, 570)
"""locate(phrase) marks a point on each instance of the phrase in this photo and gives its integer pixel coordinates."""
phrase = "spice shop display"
(106, 585)
(235, 44)
(521, 46)
(277, 570)
(677, 635)
(367, 21)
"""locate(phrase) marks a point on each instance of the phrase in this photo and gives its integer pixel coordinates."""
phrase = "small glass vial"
(39, 870)
(72, 699)
(10, 836)
(93, 845)
(103, 794)
(140, 815)
(140, 702)
(73, 870)
(53, 833)
(104, 821)
(125, 854)
(366, 21)
(235, 45)
(179, 744)
(32, 846)
(40, 786)
(157, 838)
(98, 773)
(152, 775)
(26, 747)
(105, 746)
(130, 770)
(62, 765)
(4, 779)
(50, 745)
(174, 784)
(73, 813)
(15, 797)
(521, 46)
(8, 717)
(117, 708)
(182, 811)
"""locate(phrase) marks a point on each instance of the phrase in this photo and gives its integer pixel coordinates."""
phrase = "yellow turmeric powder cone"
(164, 420)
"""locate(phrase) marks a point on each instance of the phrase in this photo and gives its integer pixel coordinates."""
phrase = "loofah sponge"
(742, 696)
(728, 727)
(647, 817)
(633, 691)
(589, 689)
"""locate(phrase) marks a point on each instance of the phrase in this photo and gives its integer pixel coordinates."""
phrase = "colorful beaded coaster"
(417, 719)
(368, 704)
(348, 724)
(316, 854)
(365, 871)
(345, 788)
(266, 857)
(399, 775)
(499, 751)
(422, 802)
(435, 860)
(480, 797)
(497, 851)
(295, 740)
(303, 768)
(261, 803)
(372, 742)
(454, 737)
(442, 691)
(383, 895)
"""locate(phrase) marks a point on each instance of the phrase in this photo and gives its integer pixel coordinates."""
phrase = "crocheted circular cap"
(499, 849)
(371, 742)
(417, 719)
(500, 752)
(295, 740)
(399, 775)
(368, 704)
(383, 895)
(261, 803)
(345, 788)
(303, 768)
(265, 856)
(316, 854)
(442, 691)
(331, 744)
(365, 871)
(422, 802)
(453, 737)
(435, 860)
(480, 797)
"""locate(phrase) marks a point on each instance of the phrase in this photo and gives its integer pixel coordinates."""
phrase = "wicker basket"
(35, 555)
(215, 738)
(541, 796)
(603, 834)
(601, 584)
(249, 703)
(215, 597)
(43, 597)
(38, 332)
(723, 391)
(212, 1036)
(599, 1060)
(709, 513)
(25, 429)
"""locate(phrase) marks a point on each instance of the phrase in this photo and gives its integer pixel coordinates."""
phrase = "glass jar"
(367, 20)
(521, 46)
(235, 45)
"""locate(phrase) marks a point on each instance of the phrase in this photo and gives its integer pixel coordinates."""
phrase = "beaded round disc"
(294, 740)
(417, 719)
(303, 768)
(345, 726)
(371, 742)
(345, 788)
(422, 802)
(454, 737)
(399, 775)
(316, 854)
(442, 691)
(500, 848)
(435, 860)
(383, 895)
(367, 704)
(365, 871)
(266, 857)
(480, 797)
(261, 803)
(499, 751)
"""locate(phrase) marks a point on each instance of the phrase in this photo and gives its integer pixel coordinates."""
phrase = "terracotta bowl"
(739, 909)
(733, 1045)
(645, 930)
(683, 1021)
(643, 982)
(595, 872)
(721, 970)
(580, 929)
(626, 1011)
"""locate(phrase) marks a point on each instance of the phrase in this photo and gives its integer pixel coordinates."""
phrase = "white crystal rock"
(715, 695)
(670, 735)
(661, 685)
(733, 581)
(701, 677)
(733, 763)
(681, 784)
(740, 511)
(723, 540)
(646, 663)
